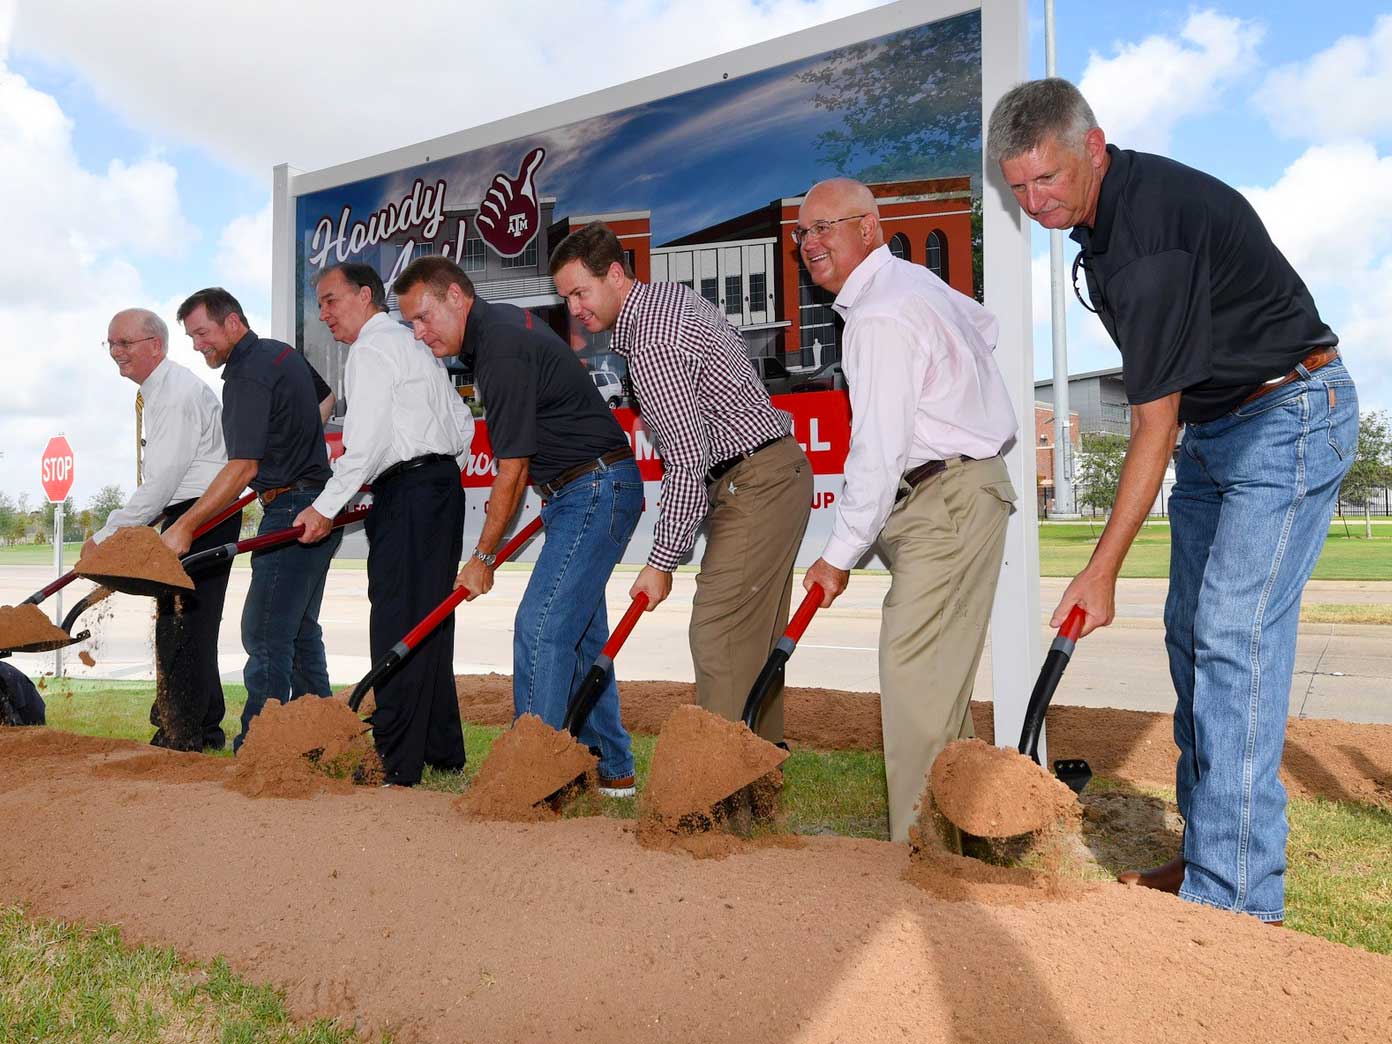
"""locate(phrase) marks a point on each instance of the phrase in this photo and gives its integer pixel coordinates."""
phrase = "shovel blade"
(1074, 773)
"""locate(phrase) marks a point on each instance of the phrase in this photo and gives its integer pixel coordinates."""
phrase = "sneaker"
(624, 786)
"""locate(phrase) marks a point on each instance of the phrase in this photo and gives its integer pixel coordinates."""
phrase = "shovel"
(63, 581)
(585, 698)
(388, 663)
(778, 659)
(101, 592)
(1074, 772)
(226, 552)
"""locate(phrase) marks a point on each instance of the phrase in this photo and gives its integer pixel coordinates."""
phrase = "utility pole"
(1063, 447)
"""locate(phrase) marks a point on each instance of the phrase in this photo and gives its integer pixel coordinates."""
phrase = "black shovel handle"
(1054, 663)
(578, 711)
(778, 659)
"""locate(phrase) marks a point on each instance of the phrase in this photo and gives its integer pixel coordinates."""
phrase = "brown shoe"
(1165, 878)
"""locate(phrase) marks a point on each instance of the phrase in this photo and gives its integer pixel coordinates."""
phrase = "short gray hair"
(156, 327)
(1037, 109)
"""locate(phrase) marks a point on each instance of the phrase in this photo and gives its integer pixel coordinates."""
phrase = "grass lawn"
(59, 983)
(1064, 548)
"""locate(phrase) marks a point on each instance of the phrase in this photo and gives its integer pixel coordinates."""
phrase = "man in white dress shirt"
(405, 428)
(183, 453)
(923, 475)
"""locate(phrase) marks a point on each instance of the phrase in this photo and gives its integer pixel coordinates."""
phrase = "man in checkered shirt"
(728, 457)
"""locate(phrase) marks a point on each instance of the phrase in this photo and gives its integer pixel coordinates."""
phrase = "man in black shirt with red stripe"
(1218, 332)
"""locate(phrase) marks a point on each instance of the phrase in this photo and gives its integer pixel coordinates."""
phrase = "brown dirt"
(994, 792)
(22, 625)
(1331, 759)
(135, 553)
(700, 761)
(87, 658)
(528, 764)
(387, 910)
(305, 747)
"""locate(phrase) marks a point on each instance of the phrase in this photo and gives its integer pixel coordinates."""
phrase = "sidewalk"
(1342, 670)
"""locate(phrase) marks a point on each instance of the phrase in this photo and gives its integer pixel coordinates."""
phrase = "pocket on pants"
(1002, 491)
(1343, 417)
(623, 516)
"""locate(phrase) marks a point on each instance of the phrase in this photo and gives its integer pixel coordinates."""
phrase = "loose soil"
(528, 763)
(135, 560)
(1323, 758)
(994, 792)
(22, 625)
(87, 658)
(305, 747)
(388, 910)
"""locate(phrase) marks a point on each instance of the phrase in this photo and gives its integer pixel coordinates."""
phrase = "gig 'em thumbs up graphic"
(509, 216)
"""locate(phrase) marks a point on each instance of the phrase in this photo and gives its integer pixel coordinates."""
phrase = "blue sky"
(135, 166)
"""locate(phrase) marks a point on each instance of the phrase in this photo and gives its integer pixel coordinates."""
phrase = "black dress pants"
(415, 534)
(189, 708)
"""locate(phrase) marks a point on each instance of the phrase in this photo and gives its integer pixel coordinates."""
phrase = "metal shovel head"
(49, 646)
(138, 585)
(1075, 773)
(700, 761)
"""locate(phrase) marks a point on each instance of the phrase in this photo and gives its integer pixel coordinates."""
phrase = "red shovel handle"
(805, 612)
(625, 626)
(418, 633)
(1073, 626)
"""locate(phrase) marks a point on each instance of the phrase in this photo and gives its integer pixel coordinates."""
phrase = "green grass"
(62, 983)
(1064, 548)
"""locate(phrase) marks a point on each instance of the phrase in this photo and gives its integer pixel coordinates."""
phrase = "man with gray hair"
(1217, 332)
(183, 453)
(924, 476)
(406, 426)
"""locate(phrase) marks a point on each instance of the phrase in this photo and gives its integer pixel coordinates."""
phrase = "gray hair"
(1037, 109)
(155, 327)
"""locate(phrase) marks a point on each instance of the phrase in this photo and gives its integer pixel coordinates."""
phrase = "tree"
(1371, 471)
(1099, 470)
(46, 519)
(107, 500)
(8, 515)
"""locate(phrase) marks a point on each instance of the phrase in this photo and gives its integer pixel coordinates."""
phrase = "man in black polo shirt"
(275, 445)
(1219, 333)
(548, 425)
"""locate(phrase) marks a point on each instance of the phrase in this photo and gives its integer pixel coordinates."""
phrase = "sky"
(137, 141)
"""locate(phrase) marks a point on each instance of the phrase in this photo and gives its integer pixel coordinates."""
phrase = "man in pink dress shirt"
(924, 476)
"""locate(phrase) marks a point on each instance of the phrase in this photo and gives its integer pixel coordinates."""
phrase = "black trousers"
(188, 708)
(415, 534)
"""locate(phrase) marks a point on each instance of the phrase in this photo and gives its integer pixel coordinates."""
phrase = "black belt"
(719, 468)
(266, 496)
(565, 478)
(410, 465)
(924, 472)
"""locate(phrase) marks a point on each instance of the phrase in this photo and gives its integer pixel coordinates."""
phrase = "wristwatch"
(486, 557)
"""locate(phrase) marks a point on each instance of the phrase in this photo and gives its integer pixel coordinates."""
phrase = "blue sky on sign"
(135, 165)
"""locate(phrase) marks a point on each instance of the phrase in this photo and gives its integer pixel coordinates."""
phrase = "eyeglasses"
(819, 228)
(1081, 262)
(111, 346)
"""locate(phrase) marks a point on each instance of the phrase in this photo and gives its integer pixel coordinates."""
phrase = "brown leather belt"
(1312, 362)
(924, 472)
(266, 496)
(565, 478)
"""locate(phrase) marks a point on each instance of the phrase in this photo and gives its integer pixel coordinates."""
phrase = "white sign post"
(56, 474)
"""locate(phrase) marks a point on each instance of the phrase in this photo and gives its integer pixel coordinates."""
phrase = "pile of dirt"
(701, 760)
(168, 766)
(24, 625)
(305, 747)
(994, 792)
(529, 763)
(135, 560)
(1052, 873)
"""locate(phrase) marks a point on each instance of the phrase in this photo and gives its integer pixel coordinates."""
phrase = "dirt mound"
(135, 560)
(305, 747)
(700, 761)
(169, 766)
(961, 879)
(22, 625)
(994, 792)
(528, 764)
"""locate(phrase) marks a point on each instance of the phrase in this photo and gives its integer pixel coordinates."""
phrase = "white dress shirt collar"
(860, 277)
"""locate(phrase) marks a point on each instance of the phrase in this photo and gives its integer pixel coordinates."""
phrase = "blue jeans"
(280, 619)
(1253, 497)
(562, 624)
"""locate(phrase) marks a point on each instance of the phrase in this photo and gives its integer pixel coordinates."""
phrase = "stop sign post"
(56, 474)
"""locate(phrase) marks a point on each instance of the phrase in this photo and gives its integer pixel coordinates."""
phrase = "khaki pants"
(758, 514)
(944, 542)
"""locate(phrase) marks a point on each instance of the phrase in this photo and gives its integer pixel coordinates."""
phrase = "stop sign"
(56, 469)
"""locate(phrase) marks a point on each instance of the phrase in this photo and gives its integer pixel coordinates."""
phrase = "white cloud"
(244, 249)
(74, 238)
(1146, 88)
(319, 82)
(1344, 91)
